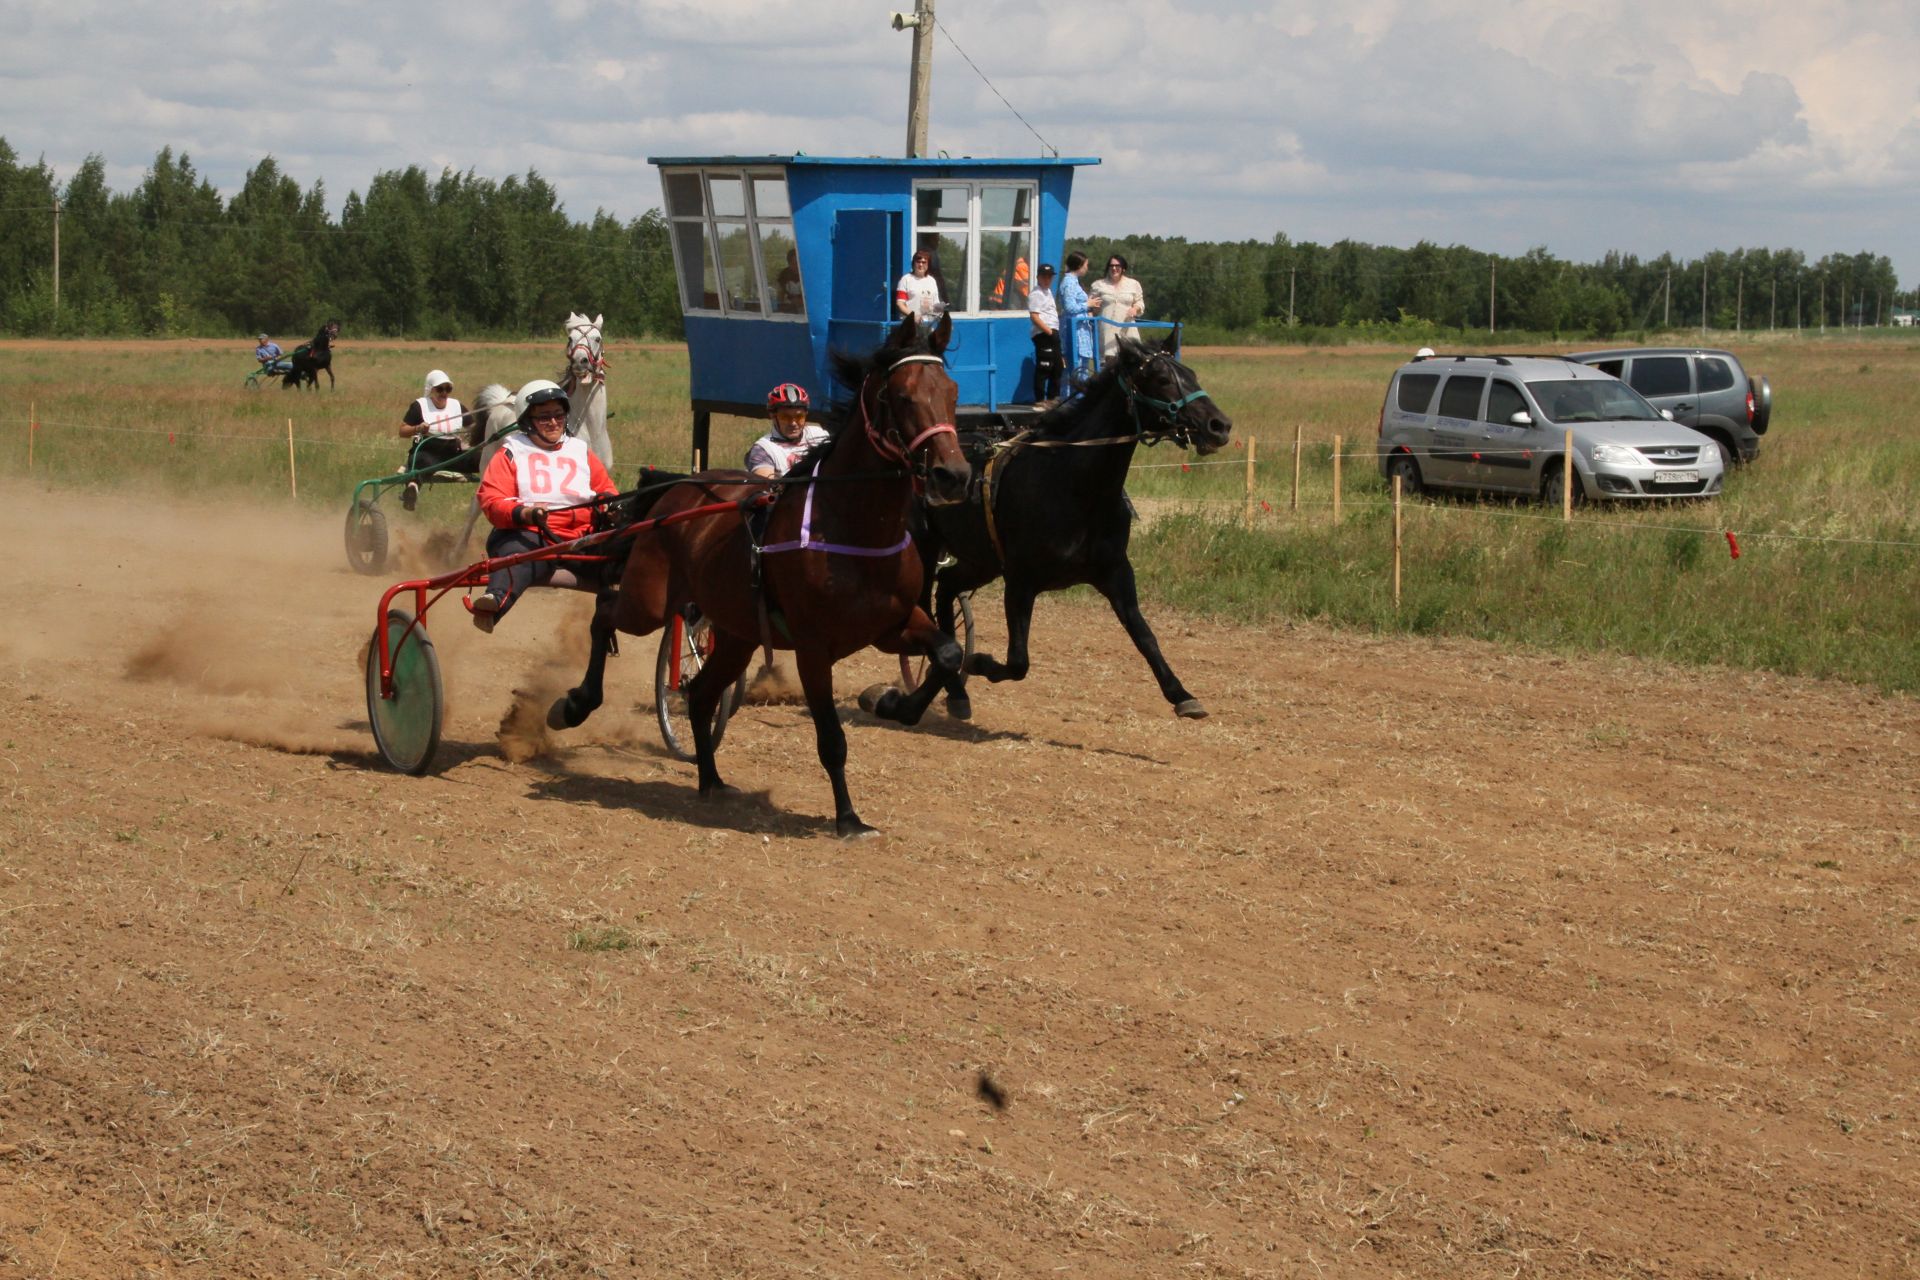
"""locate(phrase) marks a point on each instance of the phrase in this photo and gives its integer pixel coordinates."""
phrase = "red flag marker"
(1733, 545)
(1185, 467)
(1264, 507)
(169, 437)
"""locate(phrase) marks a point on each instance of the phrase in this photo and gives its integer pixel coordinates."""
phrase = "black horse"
(309, 360)
(1049, 511)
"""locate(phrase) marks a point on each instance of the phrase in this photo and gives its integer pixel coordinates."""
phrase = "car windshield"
(1592, 400)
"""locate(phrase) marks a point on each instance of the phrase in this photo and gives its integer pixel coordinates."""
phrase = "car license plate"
(1676, 477)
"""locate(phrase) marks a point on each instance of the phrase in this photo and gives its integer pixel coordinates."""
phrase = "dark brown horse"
(836, 570)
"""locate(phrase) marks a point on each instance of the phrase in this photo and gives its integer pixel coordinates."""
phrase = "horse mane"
(1069, 417)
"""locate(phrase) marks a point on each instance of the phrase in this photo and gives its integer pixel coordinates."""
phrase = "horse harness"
(889, 446)
(1168, 425)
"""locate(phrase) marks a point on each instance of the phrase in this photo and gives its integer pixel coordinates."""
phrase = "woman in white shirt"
(1116, 297)
(918, 294)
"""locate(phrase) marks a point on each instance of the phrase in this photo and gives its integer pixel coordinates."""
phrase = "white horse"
(585, 381)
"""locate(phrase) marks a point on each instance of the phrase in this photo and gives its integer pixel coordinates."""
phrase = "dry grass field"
(1421, 957)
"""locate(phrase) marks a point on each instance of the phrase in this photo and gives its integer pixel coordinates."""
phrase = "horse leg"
(922, 636)
(1019, 618)
(1118, 587)
(830, 738)
(959, 705)
(730, 657)
(581, 701)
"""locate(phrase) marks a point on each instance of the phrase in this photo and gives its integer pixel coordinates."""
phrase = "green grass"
(1818, 589)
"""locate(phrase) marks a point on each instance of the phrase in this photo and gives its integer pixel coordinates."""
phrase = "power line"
(1051, 149)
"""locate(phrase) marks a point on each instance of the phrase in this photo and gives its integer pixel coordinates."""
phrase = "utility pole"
(1667, 323)
(1493, 283)
(56, 259)
(1876, 308)
(1823, 303)
(1739, 296)
(1703, 296)
(920, 81)
(1291, 272)
(1773, 303)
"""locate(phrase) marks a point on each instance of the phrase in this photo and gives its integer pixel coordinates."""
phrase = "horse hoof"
(560, 715)
(960, 708)
(720, 791)
(851, 828)
(872, 695)
(1190, 710)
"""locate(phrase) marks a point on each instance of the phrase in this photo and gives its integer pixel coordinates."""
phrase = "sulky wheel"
(366, 538)
(913, 666)
(684, 649)
(406, 727)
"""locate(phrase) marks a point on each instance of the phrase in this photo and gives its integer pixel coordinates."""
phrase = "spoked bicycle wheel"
(406, 727)
(913, 666)
(684, 650)
(366, 537)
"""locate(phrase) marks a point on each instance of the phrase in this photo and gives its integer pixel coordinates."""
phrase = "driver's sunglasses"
(558, 415)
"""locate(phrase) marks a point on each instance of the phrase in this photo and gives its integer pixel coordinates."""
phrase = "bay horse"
(834, 571)
(308, 360)
(585, 381)
(1050, 511)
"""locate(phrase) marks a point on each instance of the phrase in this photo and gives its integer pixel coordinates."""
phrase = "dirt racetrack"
(1415, 959)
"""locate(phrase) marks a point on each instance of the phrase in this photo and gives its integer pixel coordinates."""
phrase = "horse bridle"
(891, 445)
(596, 361)
(1168, 425)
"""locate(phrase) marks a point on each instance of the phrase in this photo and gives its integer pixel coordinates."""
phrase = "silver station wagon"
(1498, 424)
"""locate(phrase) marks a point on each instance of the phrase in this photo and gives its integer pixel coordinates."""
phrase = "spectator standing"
(1119, 299)
(917, 294)
(1074, 314)
(1045, 315)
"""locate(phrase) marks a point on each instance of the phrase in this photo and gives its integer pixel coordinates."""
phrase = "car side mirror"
(1521, 418)
(1667, 414)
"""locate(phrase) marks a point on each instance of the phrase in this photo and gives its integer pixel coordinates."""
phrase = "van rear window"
(1416, 391)
(1715, 375)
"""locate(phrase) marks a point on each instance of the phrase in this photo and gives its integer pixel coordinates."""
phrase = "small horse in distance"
(308, 360)
(1050, 511)
(833, 572)
(585, 381)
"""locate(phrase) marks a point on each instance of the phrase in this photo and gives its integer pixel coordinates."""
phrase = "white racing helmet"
(539, 391)
(1424, 353)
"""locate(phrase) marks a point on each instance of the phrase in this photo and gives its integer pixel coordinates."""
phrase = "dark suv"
(1703, 389)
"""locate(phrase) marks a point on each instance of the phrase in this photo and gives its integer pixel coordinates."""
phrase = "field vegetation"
(1827, 582)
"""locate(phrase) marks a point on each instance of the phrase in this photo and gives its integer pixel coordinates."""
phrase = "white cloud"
(1637, 124)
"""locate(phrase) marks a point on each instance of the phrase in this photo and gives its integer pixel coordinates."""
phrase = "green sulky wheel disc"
(406, 727)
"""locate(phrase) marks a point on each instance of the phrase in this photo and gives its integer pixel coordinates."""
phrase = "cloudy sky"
(1582, 125)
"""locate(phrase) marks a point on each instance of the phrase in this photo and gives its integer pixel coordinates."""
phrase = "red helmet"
(788, 395)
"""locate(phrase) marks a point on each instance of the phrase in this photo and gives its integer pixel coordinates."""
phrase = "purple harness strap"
(807, 543)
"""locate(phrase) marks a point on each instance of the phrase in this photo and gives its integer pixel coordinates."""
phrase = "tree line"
(463, 255)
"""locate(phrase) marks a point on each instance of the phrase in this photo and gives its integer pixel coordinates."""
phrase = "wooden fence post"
(1336, 479)
(293, 480)
(1253, 443)
(1396, 542)
(1296, 467)
(1566, 482)
(32, 427)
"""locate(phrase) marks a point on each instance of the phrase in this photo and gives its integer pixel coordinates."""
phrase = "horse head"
(1166, 398)
(907, 403)
(586, 361)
